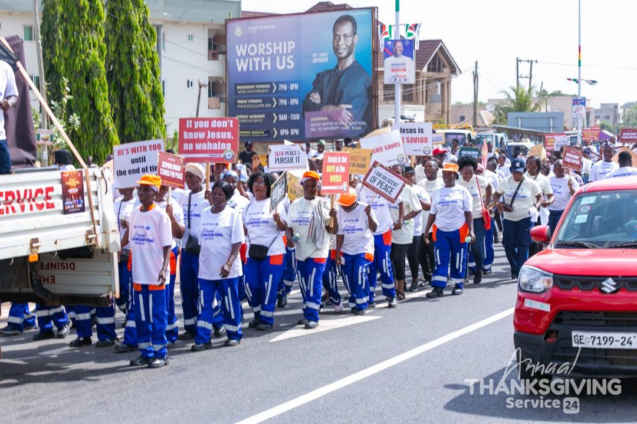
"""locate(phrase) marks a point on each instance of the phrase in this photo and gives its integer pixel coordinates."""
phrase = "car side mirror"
(541, 234)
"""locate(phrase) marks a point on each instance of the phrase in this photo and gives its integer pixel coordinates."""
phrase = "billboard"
(302, 77)
(399, 62)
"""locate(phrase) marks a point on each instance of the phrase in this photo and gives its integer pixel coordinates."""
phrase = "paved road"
(410, 364)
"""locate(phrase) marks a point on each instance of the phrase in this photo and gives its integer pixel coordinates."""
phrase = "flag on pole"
(589, 82)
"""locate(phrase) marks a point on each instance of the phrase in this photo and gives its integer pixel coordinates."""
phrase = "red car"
(577, 300)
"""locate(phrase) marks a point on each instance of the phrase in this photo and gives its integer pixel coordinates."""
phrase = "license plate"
(595, 340)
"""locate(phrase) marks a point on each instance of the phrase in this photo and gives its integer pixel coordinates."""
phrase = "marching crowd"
(230, 245)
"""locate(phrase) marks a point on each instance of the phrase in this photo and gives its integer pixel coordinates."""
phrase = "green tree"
(133, 74)
(607, 126)
(81, 60)
(520, 99)
(51, 37)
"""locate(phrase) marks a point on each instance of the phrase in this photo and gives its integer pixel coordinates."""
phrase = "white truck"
(47, 256)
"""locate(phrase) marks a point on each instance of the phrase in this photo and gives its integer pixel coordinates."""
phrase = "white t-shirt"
(178, 214)
(123, 211)
(238, 202)
(8, 88)
(149, 233)
(492, 178)
(420, 173)
(476, 197)
(505, 170)
(261, 227)
(542, 182)
(198, 203)
(354, 227)
(449, 204)
(300, 215)
(524, 201)
(561, 192)
(405, 235)
(422, 195)
(600, 169)
(217, 233)
(178, 194)
(430, 187)
(586, 166)
(627, 171)
(380, 205)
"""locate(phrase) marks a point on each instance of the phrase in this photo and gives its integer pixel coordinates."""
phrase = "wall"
(538, 121)
(13, 23)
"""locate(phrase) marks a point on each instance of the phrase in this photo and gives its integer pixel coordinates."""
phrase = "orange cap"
(450, 167)
(347, 199)
(312, 175)
(150, 180)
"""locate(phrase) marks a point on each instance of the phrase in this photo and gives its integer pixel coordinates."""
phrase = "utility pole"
(201, 85)
(530, 76)
(517, 73)
(38, 48)
(579, 67)
(397, 87)
(475, 96)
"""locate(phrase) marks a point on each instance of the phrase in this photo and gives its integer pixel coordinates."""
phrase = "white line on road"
(375, 369)
(326, 325)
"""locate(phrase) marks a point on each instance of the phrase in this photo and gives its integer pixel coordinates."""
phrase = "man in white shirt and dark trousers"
(8, 99)
(151, 237)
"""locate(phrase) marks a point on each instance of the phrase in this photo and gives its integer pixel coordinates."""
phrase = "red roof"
(328, 6)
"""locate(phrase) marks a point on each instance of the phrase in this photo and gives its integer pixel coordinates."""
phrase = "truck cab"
(577, 299)
(498, 140)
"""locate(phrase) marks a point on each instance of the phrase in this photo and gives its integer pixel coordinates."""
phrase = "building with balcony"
(191, 44)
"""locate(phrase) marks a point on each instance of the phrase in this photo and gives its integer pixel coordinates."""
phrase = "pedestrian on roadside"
(403, 231)
(20, 319)
(177, 227)
(519, 195)
(412, 253)
(479, 189)
(452, 222)
(564, 187)
(534, 173)
(625, 160)
(308, 232)
(266, 253)
(150, 235)
(193, 205)
(354, 224)
(426, 255)
(221, 235)
(600, 169)
(8, 99)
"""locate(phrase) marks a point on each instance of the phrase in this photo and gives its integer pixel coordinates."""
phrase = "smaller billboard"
(399, 65)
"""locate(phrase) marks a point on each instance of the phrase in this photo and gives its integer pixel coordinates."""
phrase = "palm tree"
(520, 99)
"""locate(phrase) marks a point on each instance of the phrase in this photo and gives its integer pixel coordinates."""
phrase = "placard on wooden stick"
(384, 182)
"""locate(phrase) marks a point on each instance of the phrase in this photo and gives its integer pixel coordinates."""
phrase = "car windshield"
(449, 137)
(603, 219)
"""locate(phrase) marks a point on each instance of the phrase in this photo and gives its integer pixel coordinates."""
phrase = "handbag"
(509, 208)
(486, 216)
(258, 252)
(192, 244)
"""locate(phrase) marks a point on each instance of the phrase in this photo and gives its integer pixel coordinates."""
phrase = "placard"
(416, 137)
(572, 158)
(282, 158)
(209, 140)
(295, 189)
(437, 139)
(171, 170)
(538, 151)
(384, 182)
(473, 152)
(628, 135)
(278, 191)
(359, 160)
(132, 160)
(387, 148)
(553, 142)
(591, 134)
(335, 178)
(73, 192)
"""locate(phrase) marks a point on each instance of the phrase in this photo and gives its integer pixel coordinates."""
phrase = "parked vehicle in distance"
(517, 148)
(498, 140)
(577, 299)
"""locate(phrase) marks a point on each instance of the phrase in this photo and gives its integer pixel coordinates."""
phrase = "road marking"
(324, 325)
(55, 352)
(375, 369)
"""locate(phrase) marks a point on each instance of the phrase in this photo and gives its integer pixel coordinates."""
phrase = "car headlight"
(534, 280)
